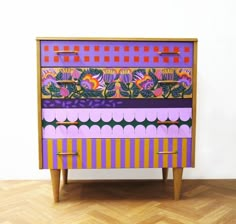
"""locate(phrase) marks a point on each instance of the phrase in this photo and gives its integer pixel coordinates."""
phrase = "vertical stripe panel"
(141, 156)
(132, 155)
(122, 153)
(69, 149)
(155, 150)
(136, 152)
(54, 154)
(180, 152)
(151, 152)
(94, 153)
(103, 153)
(50, 154)
(89, 153)
(80, 155)
(175, 148)
(74, 149)
(64, 148)
(99, 153)
(45, 155)
(165, 149)
(108, 153)
(146, 153)
(160, 149)
(184, 153)
(127, 153)
(84, 154)
(59, 149)
(118, 153)
(170, 148)
(189, 150)
(113, 153)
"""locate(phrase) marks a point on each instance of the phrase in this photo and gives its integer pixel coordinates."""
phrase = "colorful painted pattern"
(116, 53)
(116, 153)
(116, 83)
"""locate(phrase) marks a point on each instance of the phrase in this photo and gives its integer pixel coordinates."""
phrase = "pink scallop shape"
(151, 131)
(83, 115)
(129, 131)
(61, 131)
(173, 131)
(140, 115)
(129, 115)
(61, 114)
(118, 115)
(49, 132)
(95, 131)
(84, 131)
(162, 114)
(184, 131)
(162, 131)
(151, 115)
(118, 131)
(140, 131)
(106, 116)
(72, 131)
(72, 114)
(173, 114)
(106, 131)
(185, 114)
(48, 114)
(95, 115)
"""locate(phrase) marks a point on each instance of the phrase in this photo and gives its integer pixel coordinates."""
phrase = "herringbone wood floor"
(113, 202)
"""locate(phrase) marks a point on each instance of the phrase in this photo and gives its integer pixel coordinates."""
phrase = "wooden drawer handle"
(169, 52)
(167, 122)
(66, 52)
(66, 82)
(67, 153)
(168, 81)
(169, 152)
(67, 122)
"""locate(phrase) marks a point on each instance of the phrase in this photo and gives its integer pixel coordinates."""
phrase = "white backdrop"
(212, 22)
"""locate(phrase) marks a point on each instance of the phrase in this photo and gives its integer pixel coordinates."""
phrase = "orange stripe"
(108, 153)
(165, 156)
(79, 150)
(98, 153)
(127, 153)
(175, 156)
(184, 152)
(59, 149)
(156, 149)
(50, 153)
(69, 149)
(146, 153)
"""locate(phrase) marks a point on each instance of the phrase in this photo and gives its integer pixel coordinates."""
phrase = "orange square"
(186, 49)
(136, 48)
(96, 58)
(165, 49)
(186, 60)
(106, 58)
(56, 59)
(136, 58)
(126, 58)
(46, 48)
(176, 59)
(176, 49)
(76, 48)
(66, 48)
(156, 59)
(66, 58)
(126, 48)
(76, 58)
(46, 58)
(116, 58)
(55, 48)
(96, 48)
(116, 48)
(86, 58)
(86, 48)
(146, 48)
(166, 59)
(106, 48)
(146, 59)
(156, 49)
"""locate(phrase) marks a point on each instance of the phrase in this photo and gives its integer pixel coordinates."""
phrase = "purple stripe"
(84, 153)
(141, 155)
(122, 157)
(94, 162)
(74, 149)
(64, 149)
(45, 155)
(170, 156)
(180, 148)
(113, 153)
(103, 153)
(189, 152)
(117, 103)
(160, 149)
(55, 156)
(132, 157)
(151, 153)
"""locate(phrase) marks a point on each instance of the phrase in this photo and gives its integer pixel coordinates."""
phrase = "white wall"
(213, 22)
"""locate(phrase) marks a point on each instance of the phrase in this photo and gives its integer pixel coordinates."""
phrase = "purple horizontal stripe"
(114, 49)
(116, 103)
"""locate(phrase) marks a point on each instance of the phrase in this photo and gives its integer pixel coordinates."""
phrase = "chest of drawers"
(116, 103)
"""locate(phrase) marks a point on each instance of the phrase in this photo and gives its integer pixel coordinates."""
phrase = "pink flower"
(158, 92)
(158, 74)
(64, 91)
(76, 74)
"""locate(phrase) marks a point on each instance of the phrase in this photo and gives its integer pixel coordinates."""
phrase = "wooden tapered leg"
(164, 174)
(55, 178)
(177, 174)
(65, 176)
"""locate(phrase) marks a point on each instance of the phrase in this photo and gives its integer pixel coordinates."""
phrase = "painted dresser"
(116, 104)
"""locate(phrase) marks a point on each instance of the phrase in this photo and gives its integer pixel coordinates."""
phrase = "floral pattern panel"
(76, 83)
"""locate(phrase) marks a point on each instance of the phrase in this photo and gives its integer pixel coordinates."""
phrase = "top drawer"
(86, 53)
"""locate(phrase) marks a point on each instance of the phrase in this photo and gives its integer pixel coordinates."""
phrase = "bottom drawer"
(116, 153)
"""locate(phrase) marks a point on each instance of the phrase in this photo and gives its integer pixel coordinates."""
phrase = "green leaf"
(154, 78)
(111, 86)
(124, 86)
(44, 91)
(123, 93)
(188, 91)
(136, 92)
(59, 76)
(146, 93)
(134, 87)
(110, 93)
(176, 77)
(52, 88)
(91, 94)
(177, 91)
(165, 89)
